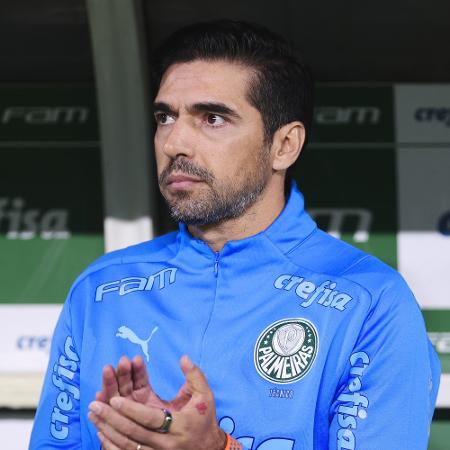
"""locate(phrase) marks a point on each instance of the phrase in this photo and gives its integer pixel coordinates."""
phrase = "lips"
(181, 181)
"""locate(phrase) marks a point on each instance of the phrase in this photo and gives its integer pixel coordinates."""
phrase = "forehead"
(198, 81)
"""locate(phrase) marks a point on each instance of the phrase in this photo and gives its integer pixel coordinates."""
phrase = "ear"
(287, 144)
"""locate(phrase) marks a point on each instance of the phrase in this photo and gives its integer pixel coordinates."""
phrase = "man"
(306, 342)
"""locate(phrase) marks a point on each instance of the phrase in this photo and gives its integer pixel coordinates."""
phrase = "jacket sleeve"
(57, 420)
(387, 394)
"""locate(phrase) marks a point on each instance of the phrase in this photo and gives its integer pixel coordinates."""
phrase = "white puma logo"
(125, 333)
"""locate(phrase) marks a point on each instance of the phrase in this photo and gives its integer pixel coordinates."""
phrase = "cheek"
(161, 159)
(244, 156)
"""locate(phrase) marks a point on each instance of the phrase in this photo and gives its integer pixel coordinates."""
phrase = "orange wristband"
(232, 444)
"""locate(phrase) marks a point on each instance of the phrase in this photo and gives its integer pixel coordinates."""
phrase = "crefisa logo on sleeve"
(286, 350)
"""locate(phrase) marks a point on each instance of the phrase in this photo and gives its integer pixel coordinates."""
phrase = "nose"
(178, 141)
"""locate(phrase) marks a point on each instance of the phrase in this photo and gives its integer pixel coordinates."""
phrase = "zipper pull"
(216, 264)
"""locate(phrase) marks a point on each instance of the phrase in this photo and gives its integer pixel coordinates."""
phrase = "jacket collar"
(288, 231)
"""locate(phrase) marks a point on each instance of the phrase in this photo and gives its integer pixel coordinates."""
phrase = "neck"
(256, 219)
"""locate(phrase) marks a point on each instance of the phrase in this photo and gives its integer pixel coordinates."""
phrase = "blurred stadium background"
(76, 167)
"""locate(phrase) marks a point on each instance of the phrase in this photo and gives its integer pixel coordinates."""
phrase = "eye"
(215, 120)
(164, 118)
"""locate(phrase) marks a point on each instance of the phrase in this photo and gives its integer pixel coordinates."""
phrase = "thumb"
(195, 378)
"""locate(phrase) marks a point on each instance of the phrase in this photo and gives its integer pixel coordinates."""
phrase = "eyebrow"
(215, 108)
(163, 107)
(210, 107)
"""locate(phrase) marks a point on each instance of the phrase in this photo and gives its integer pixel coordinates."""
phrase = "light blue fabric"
(338, 330)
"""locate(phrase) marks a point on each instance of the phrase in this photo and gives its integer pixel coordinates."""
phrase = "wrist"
(222, 440)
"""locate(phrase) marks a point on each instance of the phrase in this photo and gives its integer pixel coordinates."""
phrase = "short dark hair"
(282, 90)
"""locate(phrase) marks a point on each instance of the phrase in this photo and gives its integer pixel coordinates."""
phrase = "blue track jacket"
(307, 342)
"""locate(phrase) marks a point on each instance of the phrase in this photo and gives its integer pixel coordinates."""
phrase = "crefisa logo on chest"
(286, 350)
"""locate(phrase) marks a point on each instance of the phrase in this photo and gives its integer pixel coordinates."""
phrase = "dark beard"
(222, 200)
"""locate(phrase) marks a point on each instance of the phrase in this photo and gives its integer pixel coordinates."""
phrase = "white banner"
(423, 244)
(422, 113)
(26, 336)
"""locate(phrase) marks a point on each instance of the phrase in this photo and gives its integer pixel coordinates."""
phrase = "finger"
(195, 378)
(139, 373)
(106, 443)
(142, 389)
(105, 433)
(100, 396)
(149, 417)
(117, 427)
(111, 437)
(110, 386)
(124, 377)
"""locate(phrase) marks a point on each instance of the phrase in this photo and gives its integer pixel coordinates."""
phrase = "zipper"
(216, 265)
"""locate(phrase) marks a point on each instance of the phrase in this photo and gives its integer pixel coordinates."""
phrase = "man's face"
(211, 157)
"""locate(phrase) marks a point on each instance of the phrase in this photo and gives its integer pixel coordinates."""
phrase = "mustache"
(188, 168)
